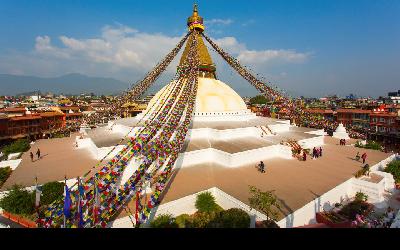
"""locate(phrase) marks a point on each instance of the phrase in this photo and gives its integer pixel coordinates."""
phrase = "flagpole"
(95, 199)
(36, 205)
(65, 188)
(79, 202)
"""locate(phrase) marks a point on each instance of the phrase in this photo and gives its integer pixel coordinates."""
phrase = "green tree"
(265, 202)
(184, 221)
(394, 169)
(164, 221)
(51, 191)
(18, 201)
(260, 99)
(205, 202)
(233, 218)
(21, 145)
(4, 174)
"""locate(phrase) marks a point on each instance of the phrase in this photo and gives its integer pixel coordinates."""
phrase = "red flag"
(137, 208)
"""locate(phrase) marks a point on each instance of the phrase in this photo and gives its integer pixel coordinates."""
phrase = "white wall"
(233, 160)
(13, 164)
(98, 153)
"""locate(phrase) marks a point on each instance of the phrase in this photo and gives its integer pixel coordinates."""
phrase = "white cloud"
(246, 56)
(124, 53)
(217, 21)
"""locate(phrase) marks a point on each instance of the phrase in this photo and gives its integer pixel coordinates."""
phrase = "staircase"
(264, 130)
(294, 145)
(266, 126)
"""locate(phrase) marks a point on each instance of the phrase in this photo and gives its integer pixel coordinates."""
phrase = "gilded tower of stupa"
(207, 67)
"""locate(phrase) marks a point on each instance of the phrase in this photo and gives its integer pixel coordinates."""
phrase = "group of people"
(37, 154)
(342, 142)
(317, 152)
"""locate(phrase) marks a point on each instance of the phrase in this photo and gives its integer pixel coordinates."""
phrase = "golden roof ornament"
(195, 21)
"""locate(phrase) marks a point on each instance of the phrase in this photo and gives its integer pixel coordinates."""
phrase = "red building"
(354, 117)
(29, 125)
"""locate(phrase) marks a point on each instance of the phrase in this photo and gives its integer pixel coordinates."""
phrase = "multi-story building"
(354, 117)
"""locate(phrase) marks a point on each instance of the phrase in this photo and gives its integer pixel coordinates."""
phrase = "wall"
(13, 164)
(233, 160)
(98, 153)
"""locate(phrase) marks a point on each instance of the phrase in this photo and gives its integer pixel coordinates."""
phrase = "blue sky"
(307, 47)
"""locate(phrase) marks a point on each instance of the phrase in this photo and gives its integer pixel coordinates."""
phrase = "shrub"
(4, 174)
(394, 169)
(18, 201)
(233, 218)
(360, 196)
(373, 145)
(51, 191)
(205, 202)
(164, 221)
(353, 208)
(204, 219)
(21, 145)
(184, 221)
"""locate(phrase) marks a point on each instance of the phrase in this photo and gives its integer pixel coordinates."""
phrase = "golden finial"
(195, 10)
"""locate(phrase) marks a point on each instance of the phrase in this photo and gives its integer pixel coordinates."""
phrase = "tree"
(164, 221)
(21, 145)
(233, 218)
(205, 202)
(260, 99)
(4, 174)
(51, 191)
(265, 202)
(18, 201)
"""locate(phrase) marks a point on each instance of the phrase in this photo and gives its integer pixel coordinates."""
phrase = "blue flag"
(81, 195)
(67, 202)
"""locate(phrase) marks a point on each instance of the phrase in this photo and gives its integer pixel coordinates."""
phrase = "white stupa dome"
(213, 96)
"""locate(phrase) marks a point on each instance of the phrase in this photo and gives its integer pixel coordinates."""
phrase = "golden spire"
(207, 67)
(195, 10)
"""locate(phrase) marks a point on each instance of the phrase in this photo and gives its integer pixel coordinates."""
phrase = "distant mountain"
(67, 84)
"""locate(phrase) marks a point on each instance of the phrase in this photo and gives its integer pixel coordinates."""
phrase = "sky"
(309, 47)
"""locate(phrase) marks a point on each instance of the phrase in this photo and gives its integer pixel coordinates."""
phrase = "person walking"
(31, 154)
(364, 157)
(314, 152)
(304, 156)
(38, 154)
(320, 151)
(317, 153)
(262, 167)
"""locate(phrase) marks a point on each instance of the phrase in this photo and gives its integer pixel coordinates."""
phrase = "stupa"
(223, 130)
(341, 133)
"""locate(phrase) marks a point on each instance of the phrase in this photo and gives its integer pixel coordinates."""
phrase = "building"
(353, 117)
(385, 126)
(327, 114)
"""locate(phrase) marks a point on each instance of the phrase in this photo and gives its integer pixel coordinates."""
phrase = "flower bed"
(333, 220)
(356, 207)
